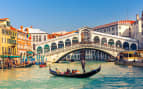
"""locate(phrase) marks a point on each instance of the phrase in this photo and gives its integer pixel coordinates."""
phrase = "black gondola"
(84, 75)
(23, 66)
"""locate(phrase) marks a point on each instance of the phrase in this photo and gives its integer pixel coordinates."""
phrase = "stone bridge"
(105, 45)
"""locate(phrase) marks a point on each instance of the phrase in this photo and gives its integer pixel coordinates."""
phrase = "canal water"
(111, 77)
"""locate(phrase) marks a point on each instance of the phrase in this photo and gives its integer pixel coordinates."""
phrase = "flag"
(29, 36)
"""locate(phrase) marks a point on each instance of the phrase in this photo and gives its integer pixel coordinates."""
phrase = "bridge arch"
(60, 44)
(111, 42)
(101, 52)
(53, 46)
(67, 42)
(126, 45)
(39, 50)
(46, 48)
(96, 40)
(75, 40)
(104, 41)
(133, 46)
(118, 44)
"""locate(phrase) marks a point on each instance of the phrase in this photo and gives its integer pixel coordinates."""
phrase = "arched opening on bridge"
(68, 42)
(118, 44)
(126, 45)
(111, 42)
(60, 44)
(90, 54)
(39, 50)
(74, 40)
(104, 41)
(85, 36)
(133, 46)
(96, 40)
(46, 48)
(53, 46)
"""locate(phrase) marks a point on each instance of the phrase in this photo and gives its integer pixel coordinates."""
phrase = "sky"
(67, 15)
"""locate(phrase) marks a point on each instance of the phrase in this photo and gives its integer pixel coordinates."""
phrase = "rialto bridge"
(98, 46)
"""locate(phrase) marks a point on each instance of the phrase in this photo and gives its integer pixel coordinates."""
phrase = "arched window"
(111, 42)
(104, 41)
(46, 48)
(118, 44)
(133, 46)
(96, 39)
(39, 50)
(74, 40)
(60, 44)
(53, 46)
(68, 42)
(126, 45)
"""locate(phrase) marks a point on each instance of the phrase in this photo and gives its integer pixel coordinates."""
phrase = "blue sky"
(59, 15)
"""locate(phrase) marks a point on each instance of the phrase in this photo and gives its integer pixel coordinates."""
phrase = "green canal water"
(111, 77)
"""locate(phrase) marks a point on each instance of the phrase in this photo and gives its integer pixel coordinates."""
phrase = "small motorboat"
(43, 65)
(82, 75)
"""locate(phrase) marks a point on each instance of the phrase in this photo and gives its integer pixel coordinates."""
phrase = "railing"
(79, 46)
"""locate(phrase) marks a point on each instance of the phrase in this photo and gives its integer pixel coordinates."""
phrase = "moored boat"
(133, 58)
(23, 66)
(43, 65)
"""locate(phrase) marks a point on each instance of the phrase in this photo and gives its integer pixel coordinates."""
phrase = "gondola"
(83, 75)
(23, 66)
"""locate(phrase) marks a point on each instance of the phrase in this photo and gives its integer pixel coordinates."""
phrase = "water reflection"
(111, 76)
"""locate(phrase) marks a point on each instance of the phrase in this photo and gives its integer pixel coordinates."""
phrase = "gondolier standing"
(82, 58)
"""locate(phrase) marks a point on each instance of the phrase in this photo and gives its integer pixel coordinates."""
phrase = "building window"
(33, 38)
(45, 38)
(39, 38)
(2, 39)
(2, 49)
(8, 23)
(8, 50)
(109, 29)
(36, 38)
(112, 28)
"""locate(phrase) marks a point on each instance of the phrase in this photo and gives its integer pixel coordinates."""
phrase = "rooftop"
(115, 36)
(34, 30)
(114, 23)
(4, 19)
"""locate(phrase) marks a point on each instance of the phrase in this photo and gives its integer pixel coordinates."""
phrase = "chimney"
(21, 27)
(30, 26)
(137, 17)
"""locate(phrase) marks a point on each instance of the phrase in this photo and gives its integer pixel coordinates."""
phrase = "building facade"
(137, 30)
(23, 42)
(120, 28)
(36, 36)
(8, 39)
